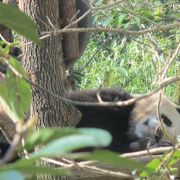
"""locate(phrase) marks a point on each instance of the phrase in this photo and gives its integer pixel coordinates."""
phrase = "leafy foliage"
(131, 61)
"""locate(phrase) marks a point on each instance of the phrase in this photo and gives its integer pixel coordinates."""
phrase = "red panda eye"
(166, 120)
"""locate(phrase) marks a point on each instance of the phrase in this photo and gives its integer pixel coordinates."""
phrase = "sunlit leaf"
(153, 165)
(146, 13)
(121, 18)
(108, 79)
(175, 157)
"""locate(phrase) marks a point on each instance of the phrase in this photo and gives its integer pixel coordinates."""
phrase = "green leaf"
(15, 175)
(15, 93)
(175, 157)
(15, 19)
(44, 136)
(112, 158)
(123, 72)
(153, 165)
(138, 21)
(126, 25)
(26, 166)
(108, 79)
(87, 138)
(146, 13)
(121, 18)
(108, 21)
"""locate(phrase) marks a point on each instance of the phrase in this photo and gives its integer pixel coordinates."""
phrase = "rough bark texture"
(45, 67)
(71, 40)
(8, 128)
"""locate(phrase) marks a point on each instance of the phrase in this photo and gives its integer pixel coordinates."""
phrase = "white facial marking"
(153, 122)
(143, 129)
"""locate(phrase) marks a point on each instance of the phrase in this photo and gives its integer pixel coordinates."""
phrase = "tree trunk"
(70, 44)
(45, 66)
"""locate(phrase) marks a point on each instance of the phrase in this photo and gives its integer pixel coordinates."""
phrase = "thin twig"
(107, 172)
(78, 20)
(158, 150)
(2, 38)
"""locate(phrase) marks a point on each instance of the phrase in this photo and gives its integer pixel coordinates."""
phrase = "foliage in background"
(130, 61)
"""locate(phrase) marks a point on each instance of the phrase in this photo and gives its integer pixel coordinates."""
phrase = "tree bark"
(45, 66)
(70, 41)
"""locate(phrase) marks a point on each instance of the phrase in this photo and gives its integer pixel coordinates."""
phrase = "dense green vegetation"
(131, 66)
(131, 61)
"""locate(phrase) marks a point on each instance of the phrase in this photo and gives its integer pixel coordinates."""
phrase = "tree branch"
(112, 30)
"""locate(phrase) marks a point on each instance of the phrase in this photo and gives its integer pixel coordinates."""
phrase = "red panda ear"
(166, 120)
(177, 105)
(178, 110)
